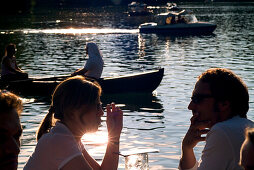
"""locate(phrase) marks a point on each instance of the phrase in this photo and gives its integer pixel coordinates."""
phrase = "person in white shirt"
(219, 104)
(247, 151)
(94, 65)
(77, 109)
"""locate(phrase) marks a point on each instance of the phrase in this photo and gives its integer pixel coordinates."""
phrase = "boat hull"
(179, 29)
(143, 13)
(145, 82)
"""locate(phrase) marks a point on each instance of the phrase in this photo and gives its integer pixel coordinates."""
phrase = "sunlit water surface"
(51, 43)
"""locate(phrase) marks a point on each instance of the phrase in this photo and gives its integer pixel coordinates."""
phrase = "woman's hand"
(114, 122)
(193, 136)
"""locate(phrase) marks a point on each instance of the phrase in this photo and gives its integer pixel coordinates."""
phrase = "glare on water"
(53, 44)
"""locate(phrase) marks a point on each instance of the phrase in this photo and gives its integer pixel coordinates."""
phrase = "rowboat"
(145, 82)
(181, 23)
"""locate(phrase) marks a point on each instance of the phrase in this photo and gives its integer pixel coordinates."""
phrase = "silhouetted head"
(227, 86)
(247, 151)
(10, 130)
(10, 50)
(73, 99)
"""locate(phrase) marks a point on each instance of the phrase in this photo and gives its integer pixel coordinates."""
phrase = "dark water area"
(51, 42)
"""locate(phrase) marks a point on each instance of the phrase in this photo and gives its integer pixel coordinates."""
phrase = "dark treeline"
(25, 6)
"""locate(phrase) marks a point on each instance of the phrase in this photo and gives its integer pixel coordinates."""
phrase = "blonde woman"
(77, 108)
(94, 65)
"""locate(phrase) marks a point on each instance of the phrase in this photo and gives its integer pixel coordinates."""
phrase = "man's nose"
(191, 105)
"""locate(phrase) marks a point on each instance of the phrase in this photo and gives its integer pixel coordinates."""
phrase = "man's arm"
(81, 71)
(218, 152)
(191, 139)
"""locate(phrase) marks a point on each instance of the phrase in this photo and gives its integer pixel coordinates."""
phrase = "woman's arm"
(114, 125)
(111, 158)
(17, 68)
(81, 71)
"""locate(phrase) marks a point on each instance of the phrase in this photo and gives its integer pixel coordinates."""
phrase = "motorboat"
(173, 7)
(138, 9)
(181, 23)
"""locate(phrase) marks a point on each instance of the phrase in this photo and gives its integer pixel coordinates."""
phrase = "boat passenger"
(94, 65)
(10, 70)
(247, 151)
(181, 19)
(219, 104)
(10, 130)
(170, 20)
(77, 109)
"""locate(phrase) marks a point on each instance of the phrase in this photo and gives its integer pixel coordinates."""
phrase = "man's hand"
(191, 139)
(193, 136)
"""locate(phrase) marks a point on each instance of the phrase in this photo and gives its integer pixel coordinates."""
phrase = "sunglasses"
(197, 98)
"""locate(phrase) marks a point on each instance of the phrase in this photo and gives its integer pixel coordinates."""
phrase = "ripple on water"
(47, 48)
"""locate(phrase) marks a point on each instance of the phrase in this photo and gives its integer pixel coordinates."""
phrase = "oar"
(52, 78)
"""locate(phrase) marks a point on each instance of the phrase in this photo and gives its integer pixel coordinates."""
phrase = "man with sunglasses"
(219, 104)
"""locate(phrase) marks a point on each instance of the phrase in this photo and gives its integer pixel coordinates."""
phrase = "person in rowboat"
(94, 65)
(77, 109)
(10, 70)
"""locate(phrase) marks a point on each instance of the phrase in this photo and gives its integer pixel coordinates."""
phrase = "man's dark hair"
(227, 86)
(9, 101)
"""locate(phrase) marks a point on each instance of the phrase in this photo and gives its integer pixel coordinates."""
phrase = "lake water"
(48, 47)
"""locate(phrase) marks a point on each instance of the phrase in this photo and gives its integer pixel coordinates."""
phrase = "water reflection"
(135, 102)
(75, 31)
(151, 121)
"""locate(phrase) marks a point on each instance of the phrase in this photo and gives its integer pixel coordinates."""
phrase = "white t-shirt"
(54, 149)
(95, 63)
(94, 68)
(223, 144)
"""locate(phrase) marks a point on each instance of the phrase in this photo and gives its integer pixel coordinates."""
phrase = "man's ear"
(224, 106)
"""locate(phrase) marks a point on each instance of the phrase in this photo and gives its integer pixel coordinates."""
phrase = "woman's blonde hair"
(69, 95)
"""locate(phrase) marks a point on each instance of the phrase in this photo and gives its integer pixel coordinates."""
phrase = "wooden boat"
(180, 23)
(145, 82)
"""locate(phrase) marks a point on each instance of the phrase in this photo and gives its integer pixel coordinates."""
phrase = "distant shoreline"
(26, 6)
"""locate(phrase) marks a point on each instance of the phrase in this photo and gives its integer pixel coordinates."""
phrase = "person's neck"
(226, 116)
(74, 129)
(10, 56)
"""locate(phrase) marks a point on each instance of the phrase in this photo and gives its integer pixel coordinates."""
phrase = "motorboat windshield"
(175, 18)
(137, 7)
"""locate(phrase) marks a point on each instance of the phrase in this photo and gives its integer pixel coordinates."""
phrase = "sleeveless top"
(5, 70)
